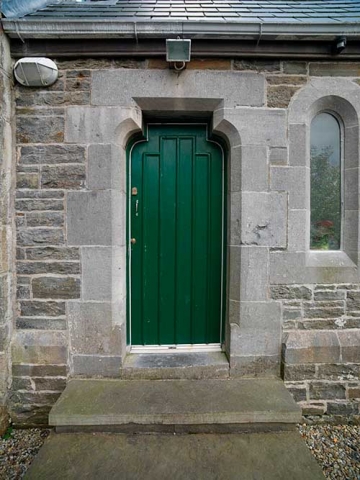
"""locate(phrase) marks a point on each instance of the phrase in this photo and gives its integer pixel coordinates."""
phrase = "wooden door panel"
(177, 220)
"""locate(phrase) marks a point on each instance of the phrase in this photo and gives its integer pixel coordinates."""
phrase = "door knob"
(133, 241)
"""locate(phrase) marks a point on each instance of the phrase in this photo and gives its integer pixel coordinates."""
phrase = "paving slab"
(270, 456)
(195, 366)
(101, 402)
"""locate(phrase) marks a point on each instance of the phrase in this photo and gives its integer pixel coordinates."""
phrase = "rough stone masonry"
(7, 230)
(62, 326)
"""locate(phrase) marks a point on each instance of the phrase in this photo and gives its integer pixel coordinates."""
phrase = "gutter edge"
(106, 28)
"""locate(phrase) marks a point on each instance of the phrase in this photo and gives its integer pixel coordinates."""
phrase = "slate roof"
(258, 11)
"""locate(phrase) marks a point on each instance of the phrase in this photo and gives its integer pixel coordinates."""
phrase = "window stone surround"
(298, 264)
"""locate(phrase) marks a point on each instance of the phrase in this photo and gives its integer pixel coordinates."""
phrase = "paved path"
(100, 456)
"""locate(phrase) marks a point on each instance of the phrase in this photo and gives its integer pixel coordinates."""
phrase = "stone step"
(212, 405)
(269, 456)
(194, 366)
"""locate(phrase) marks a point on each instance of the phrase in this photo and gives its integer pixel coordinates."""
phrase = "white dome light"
(35, 72)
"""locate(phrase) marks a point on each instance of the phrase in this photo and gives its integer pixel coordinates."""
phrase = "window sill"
(328, 259)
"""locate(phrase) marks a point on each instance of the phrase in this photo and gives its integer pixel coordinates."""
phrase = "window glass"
(325, 183)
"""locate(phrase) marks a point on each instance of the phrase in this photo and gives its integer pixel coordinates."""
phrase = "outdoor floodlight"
(178, 51)
(339, 45)
(35, 72)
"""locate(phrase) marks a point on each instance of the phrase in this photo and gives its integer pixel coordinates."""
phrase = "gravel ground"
(336, 448)
(18, 450)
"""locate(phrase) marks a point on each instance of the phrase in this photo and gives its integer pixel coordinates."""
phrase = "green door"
(176, 230)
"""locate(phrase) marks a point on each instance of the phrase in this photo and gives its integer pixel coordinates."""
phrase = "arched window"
(326, 183)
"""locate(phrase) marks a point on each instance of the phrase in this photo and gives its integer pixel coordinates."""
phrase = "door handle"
(137, 208)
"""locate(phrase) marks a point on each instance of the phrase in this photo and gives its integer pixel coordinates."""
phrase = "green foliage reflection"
(325, 200)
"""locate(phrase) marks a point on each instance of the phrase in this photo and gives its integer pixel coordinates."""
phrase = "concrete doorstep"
(265, 456)
(174, 406)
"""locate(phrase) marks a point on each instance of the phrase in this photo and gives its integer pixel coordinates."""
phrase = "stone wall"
(65, 173)
(6, 223)
(321, 354)
(48, 270)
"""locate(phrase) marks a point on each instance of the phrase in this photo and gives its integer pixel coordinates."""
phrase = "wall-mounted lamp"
(178, 51)
(339, 45)
(35, 72)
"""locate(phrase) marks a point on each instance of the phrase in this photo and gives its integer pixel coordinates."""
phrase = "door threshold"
(179, 365)
(194, 348)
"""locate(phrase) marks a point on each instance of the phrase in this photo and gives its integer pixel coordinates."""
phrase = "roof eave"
(110, 28)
